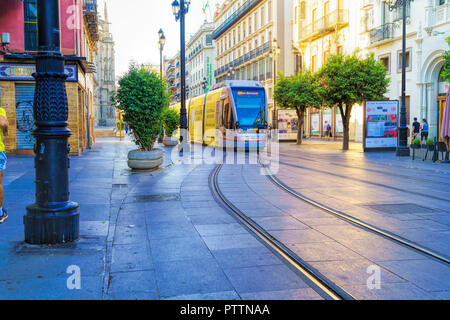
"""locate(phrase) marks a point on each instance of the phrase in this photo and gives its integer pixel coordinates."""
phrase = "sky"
(135, 25)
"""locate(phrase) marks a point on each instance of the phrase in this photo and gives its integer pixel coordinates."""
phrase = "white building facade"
(343, 26)
(200, 60)
(253, 40)
(428, 24)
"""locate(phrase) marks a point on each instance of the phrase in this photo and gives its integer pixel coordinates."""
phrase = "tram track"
(320, 283)
(357, 222)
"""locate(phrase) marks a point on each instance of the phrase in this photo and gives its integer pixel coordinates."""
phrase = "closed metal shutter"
(24, 116)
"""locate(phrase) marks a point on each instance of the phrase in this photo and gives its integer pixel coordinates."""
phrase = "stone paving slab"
(342, 252)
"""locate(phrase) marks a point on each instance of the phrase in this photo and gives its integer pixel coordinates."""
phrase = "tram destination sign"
(24, 72)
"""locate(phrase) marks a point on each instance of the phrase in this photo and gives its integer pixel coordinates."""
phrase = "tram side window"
(228, 117)
(225, 116)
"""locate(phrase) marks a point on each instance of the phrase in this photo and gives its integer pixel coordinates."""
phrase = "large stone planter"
(145, 160)
(170, 141)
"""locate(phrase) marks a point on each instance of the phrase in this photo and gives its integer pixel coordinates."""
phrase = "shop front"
(17, 97)
(319, 119)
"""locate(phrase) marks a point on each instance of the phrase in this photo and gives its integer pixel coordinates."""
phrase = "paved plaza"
(164, 234)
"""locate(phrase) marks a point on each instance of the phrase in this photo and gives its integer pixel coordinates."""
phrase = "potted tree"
(171, 121)
(142, 96)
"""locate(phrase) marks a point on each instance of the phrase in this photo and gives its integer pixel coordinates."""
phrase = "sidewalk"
(157, 235)
(332, 151)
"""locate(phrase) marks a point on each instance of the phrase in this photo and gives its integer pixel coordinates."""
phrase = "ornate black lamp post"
(161, 43)
(402, 148)
(53, 218)
(180, 9)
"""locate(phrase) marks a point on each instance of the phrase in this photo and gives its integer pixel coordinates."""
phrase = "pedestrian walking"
(328, 133)
(425, 130)
(126, 128)
(416, 130)
(3, 160)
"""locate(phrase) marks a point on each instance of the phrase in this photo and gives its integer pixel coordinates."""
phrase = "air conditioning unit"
(5, 38)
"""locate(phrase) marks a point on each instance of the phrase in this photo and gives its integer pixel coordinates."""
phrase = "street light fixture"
(180, 9)
(275, 53)
(53, 219)
(204, 84)
(161, 43)
(402, 148)
(231, 72)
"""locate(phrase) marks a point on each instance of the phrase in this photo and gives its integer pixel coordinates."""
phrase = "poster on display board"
(381, 125)
(287, 125)
(315, 124)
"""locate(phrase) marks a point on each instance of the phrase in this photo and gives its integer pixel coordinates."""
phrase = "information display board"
(381, 125)
(287, 125)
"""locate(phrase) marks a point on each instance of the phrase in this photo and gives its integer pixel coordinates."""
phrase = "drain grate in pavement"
(157, 198)
(399, 208)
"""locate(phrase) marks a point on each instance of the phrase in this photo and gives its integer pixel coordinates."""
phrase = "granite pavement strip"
(156, 235)
(340, 251)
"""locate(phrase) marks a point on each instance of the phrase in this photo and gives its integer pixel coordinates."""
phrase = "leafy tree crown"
(349, 79)
(297, 92)
(171, 121)
(142, 95)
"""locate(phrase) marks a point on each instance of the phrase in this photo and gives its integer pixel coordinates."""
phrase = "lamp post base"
(403, 152)
(52, 226)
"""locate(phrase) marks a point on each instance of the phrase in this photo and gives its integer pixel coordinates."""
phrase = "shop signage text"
(24, 72)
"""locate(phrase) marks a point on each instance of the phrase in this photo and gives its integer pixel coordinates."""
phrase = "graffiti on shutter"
(24, 116)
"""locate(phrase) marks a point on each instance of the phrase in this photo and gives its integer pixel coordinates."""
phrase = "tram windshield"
(250, 107)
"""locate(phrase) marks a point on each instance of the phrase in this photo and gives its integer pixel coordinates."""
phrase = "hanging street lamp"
(161, 43)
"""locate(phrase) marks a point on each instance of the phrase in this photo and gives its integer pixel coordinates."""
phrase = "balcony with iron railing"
(90, 15)
(382, 33)
(329, 23)
(255, 53)
(233, 18)
(90, 7)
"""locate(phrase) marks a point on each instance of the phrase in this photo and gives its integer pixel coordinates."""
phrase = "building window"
(386, 61)
(313, 63)
(303, 10)
(399, 11)
(408, 64)
(325, 56)
(30, 25)
(269, 7)
(298, 63)
(263, 20)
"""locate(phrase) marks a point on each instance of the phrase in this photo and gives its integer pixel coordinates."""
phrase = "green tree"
(142, 95)
(346, 80)
(446, 71)
(299, 93)
(170, 120)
